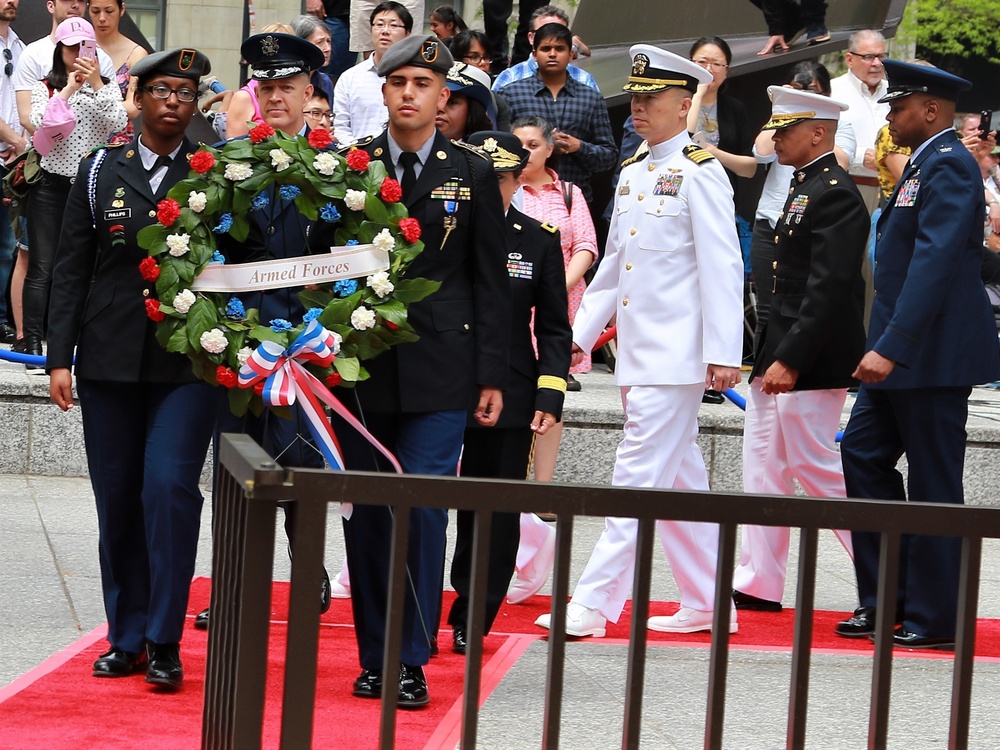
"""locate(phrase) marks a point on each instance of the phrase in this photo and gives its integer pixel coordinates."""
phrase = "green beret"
(419, 51)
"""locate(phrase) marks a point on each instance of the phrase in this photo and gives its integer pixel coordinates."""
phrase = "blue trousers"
(427, 443)
(928, 425)
(146, 445)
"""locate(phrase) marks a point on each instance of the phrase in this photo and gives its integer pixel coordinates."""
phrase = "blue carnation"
(311, 314)
(353, 242)
(217, 259)
(259, 202)
(225, 224)
(280, 324)
(329, 213)
(346, 287)
(289, 192)
(235, 309)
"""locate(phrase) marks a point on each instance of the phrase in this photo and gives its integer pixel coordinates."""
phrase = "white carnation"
(178, 244)
(197, 201)
(183, 300)
(384, 241)
(213, 341)
(379, 282)
(243, 355)
(279, 159)
(325, 164)
(355, 199)
(363, 319)
(337, 341)
(237, 172)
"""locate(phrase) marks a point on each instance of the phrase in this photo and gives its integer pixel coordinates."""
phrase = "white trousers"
(534, 534)
(786, 437)
(659, 449)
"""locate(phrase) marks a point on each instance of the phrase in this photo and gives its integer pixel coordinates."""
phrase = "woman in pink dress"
(549, 199)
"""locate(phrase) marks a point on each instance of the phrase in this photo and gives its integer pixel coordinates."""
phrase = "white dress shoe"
(687, 620)
(339, 590)
(530, 581)
(580, 621)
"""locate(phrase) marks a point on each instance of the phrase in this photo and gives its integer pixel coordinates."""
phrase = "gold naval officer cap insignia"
(639, 64)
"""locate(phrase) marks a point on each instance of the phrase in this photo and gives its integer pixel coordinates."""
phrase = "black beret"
(178, 63)
(420, 51)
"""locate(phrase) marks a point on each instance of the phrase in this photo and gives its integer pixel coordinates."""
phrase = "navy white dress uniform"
(815, 325)
(419, 394)
(673, 276)
(932, 318)
(286, 235)
(147, 420)
(537, 275)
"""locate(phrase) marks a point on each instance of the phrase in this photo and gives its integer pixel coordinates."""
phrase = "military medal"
(668, 184)
(907, 195)
(450, 220)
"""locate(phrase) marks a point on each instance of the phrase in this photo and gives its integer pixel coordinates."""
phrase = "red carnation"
(319, 138)
(153, 310)
(333, 379)
(261, 132)
(358, 160)
(258, 387)
(149, 269)
(410, 229)
(168, 211)
(226, 377)
(202, 161)
(390, 191)
(390, 325)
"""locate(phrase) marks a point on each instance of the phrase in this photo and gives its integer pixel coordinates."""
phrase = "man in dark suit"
(931, 337)
(281, 66)
(813, 337)
(533, 398)
(419, 394)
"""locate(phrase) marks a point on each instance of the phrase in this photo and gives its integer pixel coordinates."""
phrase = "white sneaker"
(687, 620)
(530, 581)
(339, 590)
(580, 621)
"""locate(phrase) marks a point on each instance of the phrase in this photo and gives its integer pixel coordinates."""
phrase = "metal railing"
(251, 485)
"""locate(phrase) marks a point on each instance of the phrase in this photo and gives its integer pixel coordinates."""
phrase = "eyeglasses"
(394, 25)
(474, 57)
(319, 114)
(9, 57)
(159, 91)
(869, 58)
(711, 64)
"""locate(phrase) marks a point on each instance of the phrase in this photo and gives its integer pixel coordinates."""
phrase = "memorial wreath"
(352, 317)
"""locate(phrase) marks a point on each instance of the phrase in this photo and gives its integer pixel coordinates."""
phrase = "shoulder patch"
(473, 149)
(697, 154)
(640, 153)
(360, 143)
(550, 228)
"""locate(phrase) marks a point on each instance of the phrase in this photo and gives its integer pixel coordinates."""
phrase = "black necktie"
(408, 160)
(161, 161)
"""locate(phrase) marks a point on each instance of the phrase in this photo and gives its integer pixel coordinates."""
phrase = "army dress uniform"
(538, 282)
(815, 324)
(673, 275)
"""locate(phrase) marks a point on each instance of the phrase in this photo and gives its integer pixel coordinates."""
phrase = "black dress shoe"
(572, 384)
(903, 638)
(712, 397)
(412, 687)
(434, 645)
(33, 346)
(368, 684)
(324, 593)
(20, 346)
(8, 334)
(201, 620)
(118, 663)
(164, 668)
(861, 624)
(458, 640)
(754, 603)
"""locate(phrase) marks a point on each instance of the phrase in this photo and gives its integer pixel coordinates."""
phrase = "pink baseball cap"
(73, 31)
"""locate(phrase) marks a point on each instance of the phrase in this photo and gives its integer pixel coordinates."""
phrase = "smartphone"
(985, 124)
(88, 49)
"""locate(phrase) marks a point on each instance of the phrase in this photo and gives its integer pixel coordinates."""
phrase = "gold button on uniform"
(145, 292)
(466, 326)
(641, 196)
(632, 231)
(628, 266)
(625, 302)
(152, 214)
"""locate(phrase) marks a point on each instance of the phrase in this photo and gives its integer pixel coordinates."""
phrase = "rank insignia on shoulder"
(95, 149)
(641, 153)
(361, 142)
(550, 228)
(697, 154)
(473, 149)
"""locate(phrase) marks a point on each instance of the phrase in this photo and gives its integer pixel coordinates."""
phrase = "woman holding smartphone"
(72, 111)
(106, 15)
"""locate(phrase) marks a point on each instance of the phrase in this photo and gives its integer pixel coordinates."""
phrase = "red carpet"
(58, 705)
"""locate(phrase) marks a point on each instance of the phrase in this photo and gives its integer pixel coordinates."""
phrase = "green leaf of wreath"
(201, 317)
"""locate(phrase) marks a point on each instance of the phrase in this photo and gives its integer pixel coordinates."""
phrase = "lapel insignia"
(120, 192)
(442, 155)
(130, 153)
(800, 176)
(668, 184)
(378, 152)
(907, 195)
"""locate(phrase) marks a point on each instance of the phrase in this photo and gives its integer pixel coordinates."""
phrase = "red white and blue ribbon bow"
(287, 381)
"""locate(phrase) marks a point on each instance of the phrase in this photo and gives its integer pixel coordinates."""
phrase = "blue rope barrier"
(24, 359)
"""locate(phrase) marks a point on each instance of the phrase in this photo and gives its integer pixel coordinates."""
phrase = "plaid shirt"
(578, 110)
